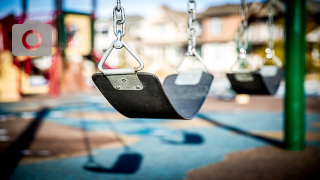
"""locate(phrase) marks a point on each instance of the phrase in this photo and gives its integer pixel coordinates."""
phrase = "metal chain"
(243, 44)
(192, 37)
(270, 23)
(269, 50)
(120, 21)
(270, 53)
(191, 27)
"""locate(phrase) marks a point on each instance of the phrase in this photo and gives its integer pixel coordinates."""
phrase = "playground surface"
(82, 137)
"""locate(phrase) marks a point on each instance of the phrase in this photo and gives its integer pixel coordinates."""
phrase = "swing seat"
(168, 101)
(259, 82)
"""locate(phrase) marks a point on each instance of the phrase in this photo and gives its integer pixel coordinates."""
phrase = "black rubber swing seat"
(167, 101)
(255, 83)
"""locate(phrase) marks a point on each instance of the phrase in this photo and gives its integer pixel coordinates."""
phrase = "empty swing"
(140, 94)
(264, 81)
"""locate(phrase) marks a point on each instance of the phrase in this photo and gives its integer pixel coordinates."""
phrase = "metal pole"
(295, 50)
(60, 26)
(93, 18)
(24, 8)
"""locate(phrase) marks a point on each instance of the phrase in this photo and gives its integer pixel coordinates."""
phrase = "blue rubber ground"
(162, 153)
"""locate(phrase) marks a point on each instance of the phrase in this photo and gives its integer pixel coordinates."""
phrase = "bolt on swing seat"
(141, 95)
(265, 81)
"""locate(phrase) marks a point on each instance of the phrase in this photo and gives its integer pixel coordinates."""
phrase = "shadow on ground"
(10, 158)
(127, 163)
(188, 138)
(274, 142)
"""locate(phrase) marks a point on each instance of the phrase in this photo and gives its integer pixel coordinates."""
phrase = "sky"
(105, 7)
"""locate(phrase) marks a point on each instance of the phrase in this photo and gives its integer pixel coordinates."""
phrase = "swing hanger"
(141, 94)
(191, 51)
(270, 53)
(119, 44)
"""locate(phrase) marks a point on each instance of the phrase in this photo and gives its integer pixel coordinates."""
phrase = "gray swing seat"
(141, 95)
(167, 101)
(256, 82)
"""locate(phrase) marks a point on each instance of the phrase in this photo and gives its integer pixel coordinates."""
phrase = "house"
(220, 28)
(164, 35)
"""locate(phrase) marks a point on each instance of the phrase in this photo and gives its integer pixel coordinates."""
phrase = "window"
(215, 26)
(104, 30)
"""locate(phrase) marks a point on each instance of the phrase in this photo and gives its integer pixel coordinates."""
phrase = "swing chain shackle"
(191, 27)
(118, 43)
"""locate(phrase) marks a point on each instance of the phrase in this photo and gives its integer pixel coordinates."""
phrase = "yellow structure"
(9, 78)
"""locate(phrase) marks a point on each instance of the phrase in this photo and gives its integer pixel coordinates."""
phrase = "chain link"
(191, 27)
(120, 21)
(118, 5)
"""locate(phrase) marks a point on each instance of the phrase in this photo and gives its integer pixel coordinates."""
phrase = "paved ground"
(82, 137)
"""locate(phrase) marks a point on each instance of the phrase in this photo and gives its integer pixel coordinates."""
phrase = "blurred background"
(54, 124)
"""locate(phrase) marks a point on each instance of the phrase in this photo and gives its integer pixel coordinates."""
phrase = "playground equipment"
(140, 94)
(265, 81)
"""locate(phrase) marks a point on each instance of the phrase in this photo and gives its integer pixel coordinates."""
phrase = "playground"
(150, 90)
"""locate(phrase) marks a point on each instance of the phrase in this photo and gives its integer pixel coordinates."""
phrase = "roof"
(262, 12)
(228, 9)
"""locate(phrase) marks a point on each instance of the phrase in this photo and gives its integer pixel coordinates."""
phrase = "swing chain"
(242, 41)
(191, 27)
(117, 21)
(270, 53)
(192, 36)
(243, 27)
(269, 50)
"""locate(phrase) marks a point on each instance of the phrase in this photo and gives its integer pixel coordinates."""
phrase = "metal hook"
(270, 55)
(118, 44)
(243, 58)
(193, 53)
